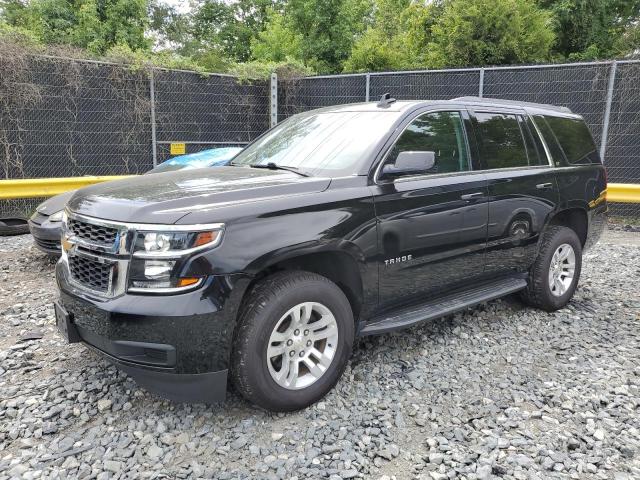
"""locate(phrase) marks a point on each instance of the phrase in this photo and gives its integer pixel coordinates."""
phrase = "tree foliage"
(490, 32)
(590, 29)
(277, 42)
(331, 36)
(95, 25)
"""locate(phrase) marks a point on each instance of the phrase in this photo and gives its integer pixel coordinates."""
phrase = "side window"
(438, 132)
(549, 138)
(542, 154)
(501, 139)
(575, 139)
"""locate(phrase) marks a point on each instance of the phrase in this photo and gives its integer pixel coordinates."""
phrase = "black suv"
(340, 222)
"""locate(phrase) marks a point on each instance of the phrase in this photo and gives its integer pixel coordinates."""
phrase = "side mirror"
(411, 162)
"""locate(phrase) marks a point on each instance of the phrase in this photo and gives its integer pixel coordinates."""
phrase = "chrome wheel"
(302, 345)
(562, 269)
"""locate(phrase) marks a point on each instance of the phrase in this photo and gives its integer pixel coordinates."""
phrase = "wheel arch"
(338, 265)
(574, 218)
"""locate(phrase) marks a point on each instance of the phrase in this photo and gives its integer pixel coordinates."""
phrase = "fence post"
(366, 88)
(481, 85)
(607, 110)
(152, 98)
(273, 106)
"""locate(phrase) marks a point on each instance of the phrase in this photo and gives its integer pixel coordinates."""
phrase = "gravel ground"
(502, 390)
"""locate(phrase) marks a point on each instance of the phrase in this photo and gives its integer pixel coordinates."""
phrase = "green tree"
(374, 51)
(278, 42)
(328, 29)
(230, 27)
(95, 25)
(590, 29)
(490, 32)
(397, 40)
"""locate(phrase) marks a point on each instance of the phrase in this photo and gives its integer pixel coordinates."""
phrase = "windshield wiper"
(273, 166)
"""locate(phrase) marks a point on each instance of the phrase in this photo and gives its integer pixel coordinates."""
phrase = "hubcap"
(302, 345)
(562, 269)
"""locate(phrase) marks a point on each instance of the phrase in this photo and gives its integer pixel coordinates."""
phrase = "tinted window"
(502, 142)
(438, 132)
(574, 139)
(549, 138)
(537, 142)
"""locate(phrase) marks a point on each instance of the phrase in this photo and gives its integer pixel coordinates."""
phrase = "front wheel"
(293, 341)
(554, 276)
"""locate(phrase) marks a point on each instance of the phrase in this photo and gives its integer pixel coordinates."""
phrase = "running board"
(442, 306)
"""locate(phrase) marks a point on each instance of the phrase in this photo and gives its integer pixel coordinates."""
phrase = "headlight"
(157, 259)
(57, 216)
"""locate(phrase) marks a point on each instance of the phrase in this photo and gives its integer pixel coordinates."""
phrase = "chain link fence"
(66, 117)
(63, 117)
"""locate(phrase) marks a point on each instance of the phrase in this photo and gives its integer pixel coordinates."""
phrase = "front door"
(432, 226)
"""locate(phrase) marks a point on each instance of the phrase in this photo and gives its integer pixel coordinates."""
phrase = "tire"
(263, 315)
(539, 292)
(13, 226)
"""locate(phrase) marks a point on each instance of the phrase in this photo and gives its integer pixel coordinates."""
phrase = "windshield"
(212, 157)
(323, 144)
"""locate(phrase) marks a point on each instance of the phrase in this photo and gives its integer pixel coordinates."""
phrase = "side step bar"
(442, 306)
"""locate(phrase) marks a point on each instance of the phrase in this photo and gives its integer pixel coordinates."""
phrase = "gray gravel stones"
(501, 391)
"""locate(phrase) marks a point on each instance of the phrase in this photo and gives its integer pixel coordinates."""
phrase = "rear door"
(522, 186)
(432, 226)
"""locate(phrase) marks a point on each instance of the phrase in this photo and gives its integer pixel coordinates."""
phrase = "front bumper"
(46, 234)
(175, 345)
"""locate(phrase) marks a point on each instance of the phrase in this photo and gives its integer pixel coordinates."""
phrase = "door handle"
(544, 186)
(471, 196)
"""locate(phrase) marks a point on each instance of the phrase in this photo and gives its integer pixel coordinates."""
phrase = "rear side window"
(575, 140)
(535, 154)
(549, 138)
(502, 142)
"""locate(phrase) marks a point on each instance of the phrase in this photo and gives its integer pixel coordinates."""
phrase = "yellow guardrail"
(623, 193)
(48, 187)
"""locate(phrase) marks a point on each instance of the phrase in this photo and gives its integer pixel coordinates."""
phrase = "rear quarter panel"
(584, 187)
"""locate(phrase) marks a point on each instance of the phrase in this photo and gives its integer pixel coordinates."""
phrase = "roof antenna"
(385, 101)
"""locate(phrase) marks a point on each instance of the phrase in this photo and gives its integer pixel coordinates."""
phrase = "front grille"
(94, 233)
(90, 273)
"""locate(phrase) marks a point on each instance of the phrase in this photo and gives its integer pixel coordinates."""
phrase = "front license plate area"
(65, 327)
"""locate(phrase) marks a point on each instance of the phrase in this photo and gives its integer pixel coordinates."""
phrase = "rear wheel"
(554, 276)
(293, 341)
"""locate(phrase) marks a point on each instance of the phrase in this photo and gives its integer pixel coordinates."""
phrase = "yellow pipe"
(623, 193)
(48, 187)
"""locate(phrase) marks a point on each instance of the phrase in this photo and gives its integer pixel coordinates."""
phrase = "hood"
(166, 197)
(55, 204)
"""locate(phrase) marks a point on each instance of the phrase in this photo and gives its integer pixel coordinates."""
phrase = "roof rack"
(512, 102)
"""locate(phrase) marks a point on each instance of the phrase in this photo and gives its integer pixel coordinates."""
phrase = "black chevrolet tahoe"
(340, 222)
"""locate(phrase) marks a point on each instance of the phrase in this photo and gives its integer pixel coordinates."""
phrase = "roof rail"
(499, 101)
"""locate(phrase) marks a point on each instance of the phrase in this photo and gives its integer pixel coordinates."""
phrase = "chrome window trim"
(544, 142)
